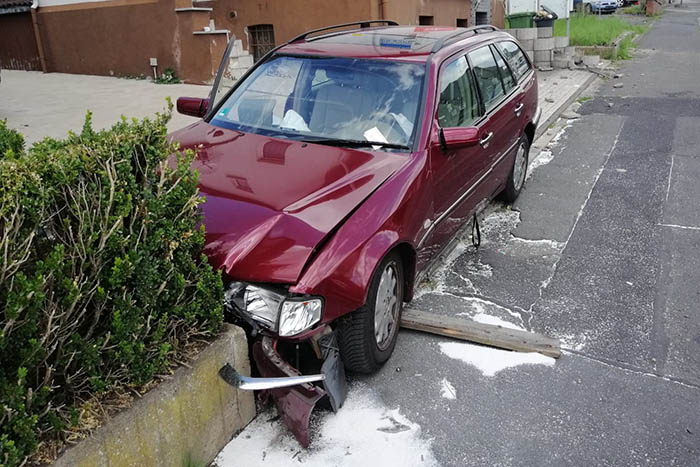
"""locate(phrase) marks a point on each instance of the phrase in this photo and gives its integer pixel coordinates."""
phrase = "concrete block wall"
(545, 50)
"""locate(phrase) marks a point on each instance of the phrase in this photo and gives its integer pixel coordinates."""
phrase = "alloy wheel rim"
(386, 308)
(520, 167)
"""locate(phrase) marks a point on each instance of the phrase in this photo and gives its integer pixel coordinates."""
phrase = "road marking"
(676, 226)
(670, 172)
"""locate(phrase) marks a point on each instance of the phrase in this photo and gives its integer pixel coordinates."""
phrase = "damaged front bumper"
(295, 395)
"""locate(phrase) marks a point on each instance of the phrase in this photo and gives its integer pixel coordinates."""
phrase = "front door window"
(459, 104)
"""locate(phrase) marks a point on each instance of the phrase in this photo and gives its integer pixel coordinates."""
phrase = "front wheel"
(367, 336)
(516, 177)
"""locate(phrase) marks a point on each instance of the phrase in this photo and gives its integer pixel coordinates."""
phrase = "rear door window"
(487, 76)
(506, 75)
(459, 102)
(515, 57)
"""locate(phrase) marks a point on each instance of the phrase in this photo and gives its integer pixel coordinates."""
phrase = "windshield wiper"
(354, 143)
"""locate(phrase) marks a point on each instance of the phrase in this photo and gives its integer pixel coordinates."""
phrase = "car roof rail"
(454, 37)
(361, 24)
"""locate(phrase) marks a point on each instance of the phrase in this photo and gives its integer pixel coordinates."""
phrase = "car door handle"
(518, 109)
(485, 140)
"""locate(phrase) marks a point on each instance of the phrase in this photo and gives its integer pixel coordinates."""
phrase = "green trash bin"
(520, 20)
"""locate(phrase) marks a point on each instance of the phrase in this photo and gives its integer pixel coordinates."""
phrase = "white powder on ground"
(495, 320)
(489, 360)
(447, 390)
(543, 158)
(363, 432)
(573, 342)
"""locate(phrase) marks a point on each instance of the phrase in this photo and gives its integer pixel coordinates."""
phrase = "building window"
(482, 17)
(462, 22)
(426, 20)
(261, 39)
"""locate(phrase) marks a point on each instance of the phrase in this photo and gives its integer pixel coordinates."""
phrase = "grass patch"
(626, 45)
(638, 9)
(583, 99)
(594, 30)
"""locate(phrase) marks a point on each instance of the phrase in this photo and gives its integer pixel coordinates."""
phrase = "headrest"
(341, 74)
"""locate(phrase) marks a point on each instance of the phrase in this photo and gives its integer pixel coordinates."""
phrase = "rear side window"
(459, 104)
(506, 75)
(515, 58)
(487, 76)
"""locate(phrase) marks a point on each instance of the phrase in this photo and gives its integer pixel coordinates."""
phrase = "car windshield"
(343, 101)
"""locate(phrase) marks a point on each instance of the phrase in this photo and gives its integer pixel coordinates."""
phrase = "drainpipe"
(37, 35)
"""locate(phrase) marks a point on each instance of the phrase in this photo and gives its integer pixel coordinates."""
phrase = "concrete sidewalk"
(50, 104)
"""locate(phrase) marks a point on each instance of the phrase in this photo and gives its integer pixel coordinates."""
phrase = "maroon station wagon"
(335, 170)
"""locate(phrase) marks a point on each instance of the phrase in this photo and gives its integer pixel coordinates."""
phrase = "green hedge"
(102, 280)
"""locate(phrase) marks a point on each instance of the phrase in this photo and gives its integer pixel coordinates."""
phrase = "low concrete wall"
(187, 419)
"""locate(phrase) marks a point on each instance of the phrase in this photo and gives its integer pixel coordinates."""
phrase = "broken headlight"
(299, 315)
(272, 308)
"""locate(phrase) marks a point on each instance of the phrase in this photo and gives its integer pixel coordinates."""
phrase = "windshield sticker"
(396, 43)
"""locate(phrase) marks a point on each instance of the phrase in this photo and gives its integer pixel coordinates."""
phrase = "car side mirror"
(192, 106)
(458, 137)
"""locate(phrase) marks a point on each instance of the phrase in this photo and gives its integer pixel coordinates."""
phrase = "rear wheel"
(367, 336)
(516, 178)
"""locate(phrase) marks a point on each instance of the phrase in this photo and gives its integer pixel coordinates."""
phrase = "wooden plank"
(486, 334)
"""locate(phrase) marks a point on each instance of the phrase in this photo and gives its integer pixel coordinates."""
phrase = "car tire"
(363, 348)
(518, 173)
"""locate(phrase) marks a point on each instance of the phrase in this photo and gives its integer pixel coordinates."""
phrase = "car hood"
(270, 202)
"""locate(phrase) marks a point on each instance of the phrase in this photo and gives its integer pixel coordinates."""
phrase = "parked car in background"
(335, 171)
(603, 6)
(598, 6)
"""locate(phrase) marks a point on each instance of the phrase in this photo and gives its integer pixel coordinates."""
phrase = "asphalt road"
(602, 250)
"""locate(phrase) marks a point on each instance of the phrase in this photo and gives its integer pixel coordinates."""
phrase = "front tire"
(516, 177)
(367, 336)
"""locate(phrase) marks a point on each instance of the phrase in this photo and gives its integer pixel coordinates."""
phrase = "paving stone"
(524, 34)
(543, 55)
(527, 44)
(560, 63)
(544, 32)
(591, 60)
(570, 115)
(561, 41)
(544, 44)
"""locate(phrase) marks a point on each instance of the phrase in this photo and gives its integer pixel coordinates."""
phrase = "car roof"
(409, 43)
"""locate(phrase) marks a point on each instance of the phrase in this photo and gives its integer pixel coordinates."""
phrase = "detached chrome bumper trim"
(237, 380)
